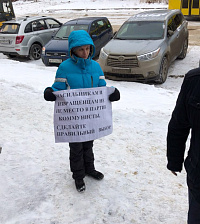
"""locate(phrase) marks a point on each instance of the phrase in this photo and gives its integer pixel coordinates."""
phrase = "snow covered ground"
(36, 185)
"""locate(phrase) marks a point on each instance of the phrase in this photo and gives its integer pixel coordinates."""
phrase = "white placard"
(82, 114)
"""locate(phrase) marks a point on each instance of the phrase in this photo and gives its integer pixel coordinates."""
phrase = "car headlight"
(148, 56)
(103, 54)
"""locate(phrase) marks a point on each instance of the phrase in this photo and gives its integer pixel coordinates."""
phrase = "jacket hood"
(80, 38)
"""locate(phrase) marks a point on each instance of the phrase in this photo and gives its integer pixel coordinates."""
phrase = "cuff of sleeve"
(174, 166)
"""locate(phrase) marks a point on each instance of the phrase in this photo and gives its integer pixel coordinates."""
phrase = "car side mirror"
(170, 33)
(53, 34)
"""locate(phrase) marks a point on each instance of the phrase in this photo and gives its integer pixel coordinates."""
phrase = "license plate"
(121, 70)
(55, 60)
(4, 41)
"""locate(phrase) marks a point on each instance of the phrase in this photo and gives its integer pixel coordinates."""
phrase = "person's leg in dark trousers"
(194, 210)
(76, 160)
(88, 156)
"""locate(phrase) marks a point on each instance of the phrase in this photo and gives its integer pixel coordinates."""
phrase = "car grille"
(122, 61)
(60, 54)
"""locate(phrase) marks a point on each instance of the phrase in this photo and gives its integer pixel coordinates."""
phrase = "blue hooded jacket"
(78, 73)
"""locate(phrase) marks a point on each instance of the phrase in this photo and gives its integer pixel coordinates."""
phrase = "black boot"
(96, 175)
(80, 185)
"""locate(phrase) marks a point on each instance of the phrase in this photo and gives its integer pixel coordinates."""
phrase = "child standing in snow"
(80, 71)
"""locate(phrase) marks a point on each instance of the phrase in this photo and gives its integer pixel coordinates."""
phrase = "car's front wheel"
(163, 71)
(35, 52)
(184, 50)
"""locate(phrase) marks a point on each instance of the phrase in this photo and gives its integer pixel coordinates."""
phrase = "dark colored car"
(56, 50)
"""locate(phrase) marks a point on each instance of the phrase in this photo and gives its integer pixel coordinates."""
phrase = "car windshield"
(65, 30)
(141, 30)
(9, 28)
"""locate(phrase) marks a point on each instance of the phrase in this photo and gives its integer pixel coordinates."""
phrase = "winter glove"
(115, 96)
(48, 94)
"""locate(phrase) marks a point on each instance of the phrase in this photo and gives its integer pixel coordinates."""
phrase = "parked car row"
(142, 50)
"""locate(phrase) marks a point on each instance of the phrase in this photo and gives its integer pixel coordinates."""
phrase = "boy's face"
(83, 51)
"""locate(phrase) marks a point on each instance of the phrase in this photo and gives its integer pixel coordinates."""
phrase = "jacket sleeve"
(60, 82)
(178, 131)
(102, 81)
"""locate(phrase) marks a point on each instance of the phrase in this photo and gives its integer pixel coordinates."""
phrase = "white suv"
(26, 36)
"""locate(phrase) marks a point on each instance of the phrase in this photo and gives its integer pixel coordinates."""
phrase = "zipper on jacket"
(92, 80)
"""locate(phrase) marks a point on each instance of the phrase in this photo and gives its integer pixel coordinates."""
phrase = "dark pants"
(81, 159)
(194, 210)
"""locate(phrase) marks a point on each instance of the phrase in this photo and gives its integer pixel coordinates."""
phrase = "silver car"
(145, 46)
(26, 36)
